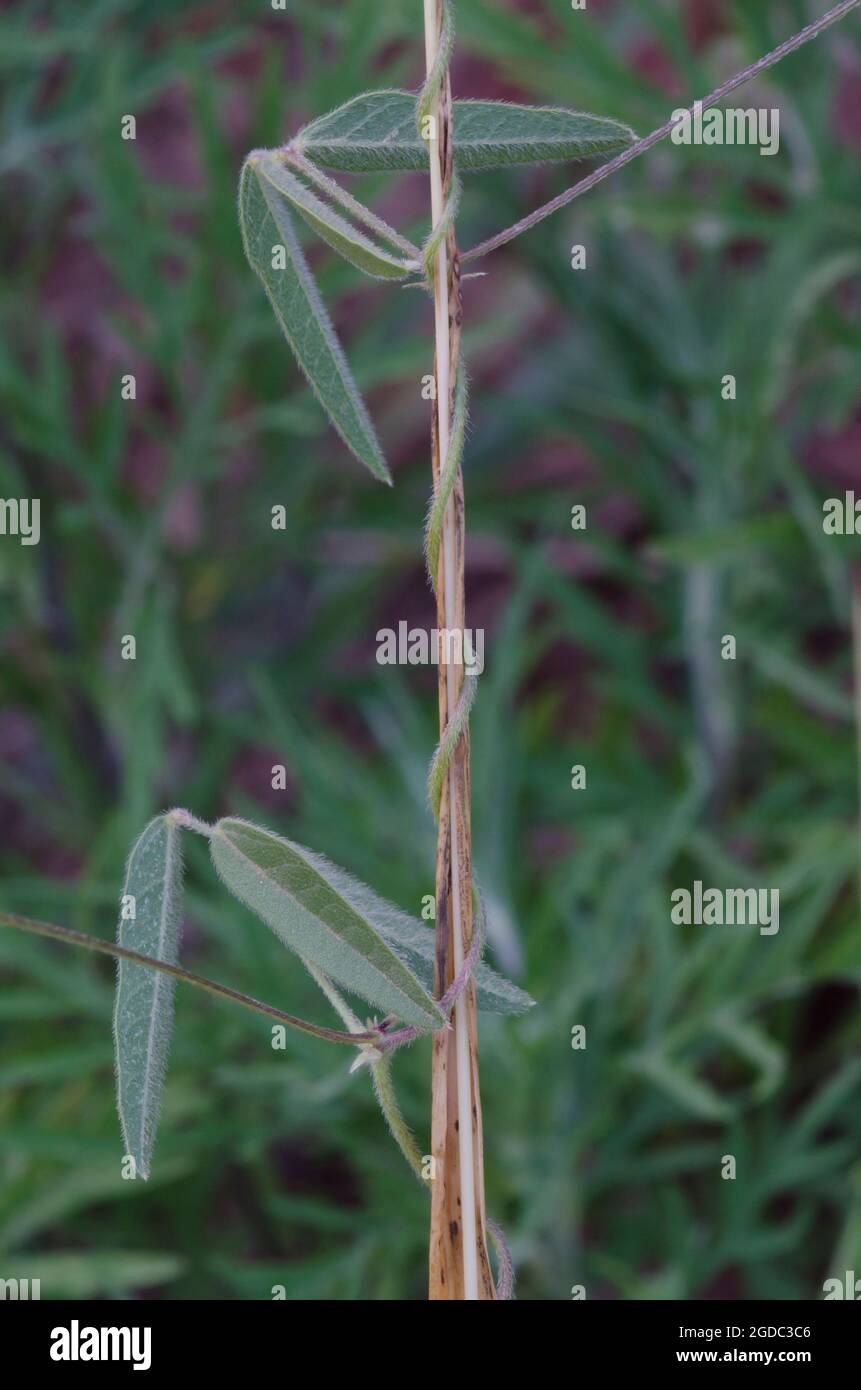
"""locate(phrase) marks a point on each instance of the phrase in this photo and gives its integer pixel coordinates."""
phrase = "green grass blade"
(293, 294)
(377, 131)
(696, 1097)
(143, 1014)
(300, 895)
(76, 1274)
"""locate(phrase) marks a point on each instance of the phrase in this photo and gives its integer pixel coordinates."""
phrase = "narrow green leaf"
(415, 944)
(76, 1274)
(301, 896)
(838, 1094)
(377, 131)
(335, 191)
(79, 1184)
(293, 294)
(344, 238)
(753, 1044)
(143, 1015)
(696, 1097)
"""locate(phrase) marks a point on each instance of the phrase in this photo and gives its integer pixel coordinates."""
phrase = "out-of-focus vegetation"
(256, 647)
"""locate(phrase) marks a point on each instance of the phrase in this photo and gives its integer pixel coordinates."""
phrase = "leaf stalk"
(783, 50)
(109, 948)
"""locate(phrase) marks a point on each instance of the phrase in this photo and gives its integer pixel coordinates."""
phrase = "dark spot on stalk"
(454, 1228)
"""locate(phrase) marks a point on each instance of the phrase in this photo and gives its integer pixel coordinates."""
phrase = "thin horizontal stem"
(640, 146)
(109, 948)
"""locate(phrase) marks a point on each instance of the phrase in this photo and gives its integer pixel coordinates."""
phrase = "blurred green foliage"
(256, 646)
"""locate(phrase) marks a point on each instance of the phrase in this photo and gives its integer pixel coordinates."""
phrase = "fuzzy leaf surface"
(266, 223)
(377, 131)
(335, 230)
(415, 944)
(300, 895)
(143, 1012)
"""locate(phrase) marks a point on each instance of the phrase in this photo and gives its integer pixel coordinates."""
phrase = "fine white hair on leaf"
(415, 943)
(300, 897)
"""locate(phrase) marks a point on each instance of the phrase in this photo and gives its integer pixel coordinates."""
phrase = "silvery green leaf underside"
(301, 896)
(143, 1013)
(340, 234)
(413, 942)
(266, 225)
(377, 131)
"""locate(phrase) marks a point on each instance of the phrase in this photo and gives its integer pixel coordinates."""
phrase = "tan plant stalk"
(459, 1265)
